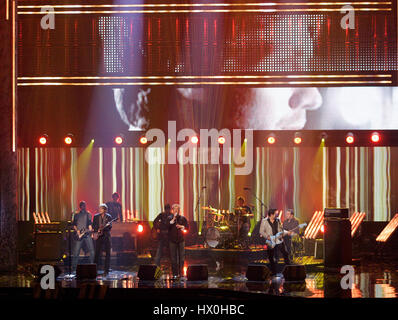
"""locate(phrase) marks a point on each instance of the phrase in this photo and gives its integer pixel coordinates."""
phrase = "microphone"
(246, 188)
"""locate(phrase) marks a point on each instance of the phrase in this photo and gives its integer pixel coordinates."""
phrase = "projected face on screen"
(252, 108)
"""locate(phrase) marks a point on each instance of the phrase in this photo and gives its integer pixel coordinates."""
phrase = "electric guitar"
(100, 231)
(83, 232)
(277, 239)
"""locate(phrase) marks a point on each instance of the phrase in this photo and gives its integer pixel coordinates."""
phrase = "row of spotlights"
(271, 139)
(375, 137)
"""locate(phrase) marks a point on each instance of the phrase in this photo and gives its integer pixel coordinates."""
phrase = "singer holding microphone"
(177, 225)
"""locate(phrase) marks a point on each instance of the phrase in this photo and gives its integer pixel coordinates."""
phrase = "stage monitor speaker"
(48, 246)
(197, 272)
(257, 272)
(337, 243)
(294, 273)
(148, 272)
(86, 271)
(341, 213)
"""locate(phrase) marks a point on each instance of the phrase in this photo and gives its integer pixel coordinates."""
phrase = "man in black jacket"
(104, 240)
(161, 226)
(178, 225)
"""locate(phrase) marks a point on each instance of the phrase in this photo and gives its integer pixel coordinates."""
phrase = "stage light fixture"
(271, 139)
(322, 228)
(143, 140)
(297, 138)
(375, 137)
(350, 138)
(68, 139)
(194, 139)
(43, 139)
(324, 136)
(221, 140)
(119, 139)
(140, 228)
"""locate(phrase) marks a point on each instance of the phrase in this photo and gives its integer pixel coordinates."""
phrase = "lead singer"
(178, 224)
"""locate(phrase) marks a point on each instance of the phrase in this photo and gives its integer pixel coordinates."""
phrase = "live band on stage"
(221, 229)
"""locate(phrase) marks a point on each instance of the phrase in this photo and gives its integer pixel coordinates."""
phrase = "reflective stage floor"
(371, 280)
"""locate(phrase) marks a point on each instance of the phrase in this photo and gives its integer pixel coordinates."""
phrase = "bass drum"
(218, 238)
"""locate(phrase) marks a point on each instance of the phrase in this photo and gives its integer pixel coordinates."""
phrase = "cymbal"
(210, 209)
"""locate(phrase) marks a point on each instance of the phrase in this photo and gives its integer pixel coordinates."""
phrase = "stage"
(371, 280)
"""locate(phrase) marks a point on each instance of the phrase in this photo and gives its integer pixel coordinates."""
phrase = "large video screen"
(274, 67)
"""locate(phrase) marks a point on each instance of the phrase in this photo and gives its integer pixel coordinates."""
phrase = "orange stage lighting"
(119, 140)
(388, 230)
(43, 139)
(194, 139)
(143, 140)
(314, 226)
(221, 140)
(140, 228)
(68, 139)
(271, 139)
(356, 219)
(350, 138)
(375, 137)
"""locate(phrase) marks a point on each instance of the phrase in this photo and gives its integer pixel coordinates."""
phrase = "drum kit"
(222, 227)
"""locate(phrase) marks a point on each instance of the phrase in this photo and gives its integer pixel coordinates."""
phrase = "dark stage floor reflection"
(370, 281)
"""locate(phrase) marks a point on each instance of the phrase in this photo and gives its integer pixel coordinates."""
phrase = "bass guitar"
(277, 239)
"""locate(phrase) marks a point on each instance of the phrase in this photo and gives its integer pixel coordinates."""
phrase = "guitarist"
(161, 227)
(83, 226)
(270, 227)
(289, 224)
(103, 242)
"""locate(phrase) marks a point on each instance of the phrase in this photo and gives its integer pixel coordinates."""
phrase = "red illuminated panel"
(388, 230)
(356, 219)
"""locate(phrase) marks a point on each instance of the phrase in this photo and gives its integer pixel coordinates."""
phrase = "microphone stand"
(259, 200)
(198, 202)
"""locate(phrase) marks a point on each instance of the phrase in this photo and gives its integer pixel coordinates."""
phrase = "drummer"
(244, 214)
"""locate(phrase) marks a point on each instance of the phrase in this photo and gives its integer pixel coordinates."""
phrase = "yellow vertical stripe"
(347, 178)
(123, 191)
(338, 177)
(114, 174)
(100, 175)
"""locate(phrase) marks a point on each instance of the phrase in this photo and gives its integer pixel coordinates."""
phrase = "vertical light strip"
(7, 9)
(114, 174)
(27, 179)
(195, 186)
(20, 181)
(72, 177)
(123, 191)
(356, 209)
(324, 176)
(363, 178)
(37, 179)
(131, 186)
(46, 179)
(100, 174)
(14, 93)
(138, 184)
(347, 177)
(257, 186)
(338, 177)
(388, 180)
(379, 184)
(41, 180)
(296, 181)
(268, 177)
(231, 180)
(181, 180)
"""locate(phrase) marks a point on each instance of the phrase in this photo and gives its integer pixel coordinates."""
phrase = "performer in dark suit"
(177, 225)
(161, 225)
(104, 239)
(115, 208)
